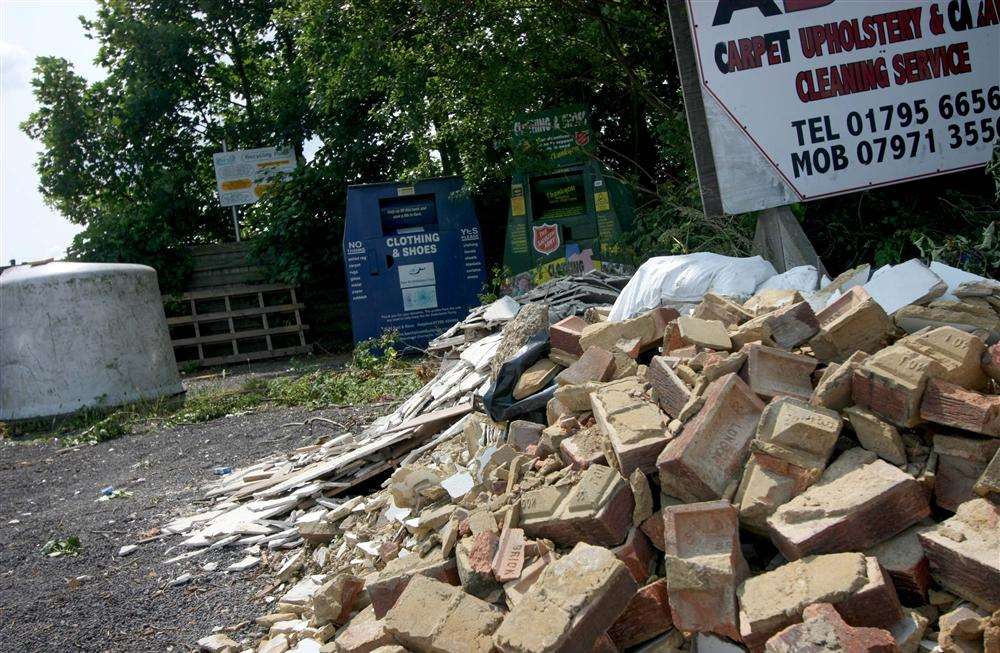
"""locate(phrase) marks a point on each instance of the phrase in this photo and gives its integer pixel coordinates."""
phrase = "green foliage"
(979, 257)
(493, 288)
(68, 546)
(399, 89)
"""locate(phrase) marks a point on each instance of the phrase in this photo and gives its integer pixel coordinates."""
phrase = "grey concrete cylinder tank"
(81, 335)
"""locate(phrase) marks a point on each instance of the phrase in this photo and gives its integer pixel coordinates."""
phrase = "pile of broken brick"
(755, 476)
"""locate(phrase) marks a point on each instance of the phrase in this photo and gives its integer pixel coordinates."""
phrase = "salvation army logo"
(545, 238)
(582, 138)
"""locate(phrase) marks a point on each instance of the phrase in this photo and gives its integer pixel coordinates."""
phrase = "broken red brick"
(638, 555)
(388, 584)
(951, 405)
(857, 503)
(771, 372)
(594, 365)
(509, 560)
(963, 552)
(716, 307)
(474, 557)
(960, 463)
(704, 566)
(597, 510)
(432, 617)
(892, 383)
(903, 558)
(653, 528)
(853, 322)
(647, 615)
(565, 334)
(634, 426)
(584, 448)
(669, 390)
(709, 454)
(574, 602)
(823, 628)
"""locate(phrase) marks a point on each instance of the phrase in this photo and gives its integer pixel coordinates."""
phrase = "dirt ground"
(127, 604)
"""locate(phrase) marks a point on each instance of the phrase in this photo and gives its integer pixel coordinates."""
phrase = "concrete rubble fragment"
(675, 484)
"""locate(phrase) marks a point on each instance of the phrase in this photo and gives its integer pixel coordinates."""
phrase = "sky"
(30, 230)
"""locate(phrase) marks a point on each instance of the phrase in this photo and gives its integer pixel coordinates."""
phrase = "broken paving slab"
(575, 600)
(896, 286)
(708, 456)
(964, 552)
(857, 503)
(634, 426)
(704, 566)
(433, 617)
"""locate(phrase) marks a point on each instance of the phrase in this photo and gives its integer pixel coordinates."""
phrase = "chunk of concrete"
(432, 617)
(709, 454)
(964, 552)
(855, 505)
(704, 566)
(988, 483)
(574, 602)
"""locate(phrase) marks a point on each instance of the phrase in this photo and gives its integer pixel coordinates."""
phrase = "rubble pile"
(799, 471)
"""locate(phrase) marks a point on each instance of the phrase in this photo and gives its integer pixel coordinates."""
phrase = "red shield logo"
(545, 238)
(582, 138)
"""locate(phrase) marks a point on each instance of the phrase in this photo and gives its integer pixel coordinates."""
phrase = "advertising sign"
(243, 176)
(557, 137)
(841, 96)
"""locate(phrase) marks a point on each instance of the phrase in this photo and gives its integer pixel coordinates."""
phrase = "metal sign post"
(236, 217)
(779, 237)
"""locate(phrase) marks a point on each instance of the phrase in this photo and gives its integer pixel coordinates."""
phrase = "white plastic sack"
(804, 278)
(681, 281)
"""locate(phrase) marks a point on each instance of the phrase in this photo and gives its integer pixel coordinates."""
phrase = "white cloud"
(15, 66)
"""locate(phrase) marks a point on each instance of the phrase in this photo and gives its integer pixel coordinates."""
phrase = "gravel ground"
(126, 604)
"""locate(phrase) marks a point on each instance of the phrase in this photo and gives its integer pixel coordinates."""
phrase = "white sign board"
(835, 96)
(242, 176)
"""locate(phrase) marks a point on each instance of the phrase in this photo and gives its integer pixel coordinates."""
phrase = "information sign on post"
(243, 176)
(806, 99)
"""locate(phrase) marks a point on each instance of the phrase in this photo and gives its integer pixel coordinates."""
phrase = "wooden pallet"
(236, 324)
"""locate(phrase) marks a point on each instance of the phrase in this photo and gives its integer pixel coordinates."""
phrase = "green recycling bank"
(565, 210)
